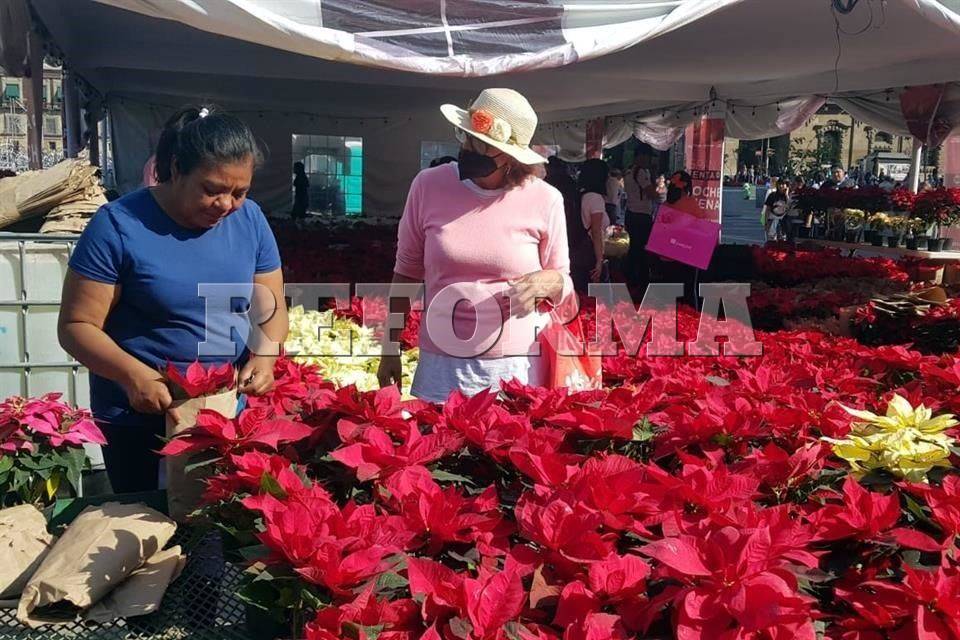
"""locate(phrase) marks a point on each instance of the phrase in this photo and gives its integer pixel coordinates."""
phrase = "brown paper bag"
(24, 542)
(97, 552)
(142, 592)
(184, 489)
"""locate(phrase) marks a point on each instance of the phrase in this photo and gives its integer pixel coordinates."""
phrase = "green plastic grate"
(201, 604)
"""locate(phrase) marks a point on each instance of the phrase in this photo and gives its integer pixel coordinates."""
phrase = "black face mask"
(475, 165)
(673, 193)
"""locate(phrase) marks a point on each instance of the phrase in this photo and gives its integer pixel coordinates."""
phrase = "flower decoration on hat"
(482, 121)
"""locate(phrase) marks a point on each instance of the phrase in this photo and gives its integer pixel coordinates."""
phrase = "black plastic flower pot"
(947, 244)
(877, 240)
(869, 235)
(851, 236)
(893, 242)
(935, 244)
(922, 243)
(911, 244)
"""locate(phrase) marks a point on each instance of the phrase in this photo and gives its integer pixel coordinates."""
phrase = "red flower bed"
(788, 266)
(695, 498)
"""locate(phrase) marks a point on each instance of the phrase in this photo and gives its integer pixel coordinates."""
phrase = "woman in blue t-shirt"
(167, 274)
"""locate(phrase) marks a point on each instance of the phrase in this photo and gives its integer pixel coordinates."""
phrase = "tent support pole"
(35, 102)
(915, 165)
(71, 110)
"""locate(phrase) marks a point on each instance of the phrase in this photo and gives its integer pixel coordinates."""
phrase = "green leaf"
(915, 508)
(270, 485)
(193, 466)
(642, 431)
(6, 463)
(389, 581)
(253, 552)
(445, 476)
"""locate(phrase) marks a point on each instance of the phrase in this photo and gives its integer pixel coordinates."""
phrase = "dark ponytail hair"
(593, 177)
(195, 136)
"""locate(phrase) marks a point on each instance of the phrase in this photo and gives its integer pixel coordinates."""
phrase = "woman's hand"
(525, 291)
(390, 371)
(256, 377)
(597, 271)
(148, 393)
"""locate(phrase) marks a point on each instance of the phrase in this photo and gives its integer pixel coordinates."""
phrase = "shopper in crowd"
(775, 208)
(680, 197)
(301, 192)
(838, 180)
(486, 224)
(586, 259)
(612, 196)
(641, 195)
(131, 303)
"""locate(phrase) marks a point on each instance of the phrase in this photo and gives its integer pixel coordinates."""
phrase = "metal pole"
(915, 166)
(71, 110)
(35, 102)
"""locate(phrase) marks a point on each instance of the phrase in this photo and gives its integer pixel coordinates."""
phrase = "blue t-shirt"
(162, 270)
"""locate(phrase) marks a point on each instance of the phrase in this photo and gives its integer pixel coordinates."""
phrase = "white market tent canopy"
(379, 69)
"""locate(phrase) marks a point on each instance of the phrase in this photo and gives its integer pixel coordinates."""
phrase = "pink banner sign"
(683, 237)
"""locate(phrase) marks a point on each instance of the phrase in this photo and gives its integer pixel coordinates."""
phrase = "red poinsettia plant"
(197, 380)
(694, 498)
(41, 448)
(938, 206)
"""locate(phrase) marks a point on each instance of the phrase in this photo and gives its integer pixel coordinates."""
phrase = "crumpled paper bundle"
(73, 216)
(185, 488)
(24, 542)
(36, 193)
(110, 556)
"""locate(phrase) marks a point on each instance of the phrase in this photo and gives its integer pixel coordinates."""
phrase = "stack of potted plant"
(939, 208)
(853, 220)
(879, 222)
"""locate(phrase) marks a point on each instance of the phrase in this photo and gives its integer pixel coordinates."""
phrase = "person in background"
(586, 260)
(558, 176)
(614, 188)
(641, 195)
(436, 162)
(487, 223)
(661, 194)
(301, 192)
(131, 302)
(838, 180)
(775, 208)
(680, 197)
(793, 213)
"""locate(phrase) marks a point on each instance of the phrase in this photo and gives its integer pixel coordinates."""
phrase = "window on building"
(430, 151)
(11, 91)
(14, 123)
(52, 146)
(832, 147)
(334, 166)
(51, 125)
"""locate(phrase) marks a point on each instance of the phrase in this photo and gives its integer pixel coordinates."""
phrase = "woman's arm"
(256, 376)
(84, 309)
(596, 234)
(390, 370)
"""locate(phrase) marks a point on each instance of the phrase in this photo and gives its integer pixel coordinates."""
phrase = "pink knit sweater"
(455, 233)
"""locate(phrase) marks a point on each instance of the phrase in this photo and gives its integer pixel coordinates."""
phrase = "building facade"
(13, 119)
(831, 137)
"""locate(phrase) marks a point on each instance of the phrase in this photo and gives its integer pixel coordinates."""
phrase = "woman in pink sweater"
(488, 240)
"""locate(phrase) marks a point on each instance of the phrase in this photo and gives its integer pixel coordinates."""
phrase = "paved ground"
(741, 219)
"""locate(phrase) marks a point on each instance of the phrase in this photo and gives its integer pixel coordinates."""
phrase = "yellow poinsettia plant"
(907, 442)
(346, 352)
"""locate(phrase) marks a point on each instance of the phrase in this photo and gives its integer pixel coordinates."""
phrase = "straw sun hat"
(503, 119)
